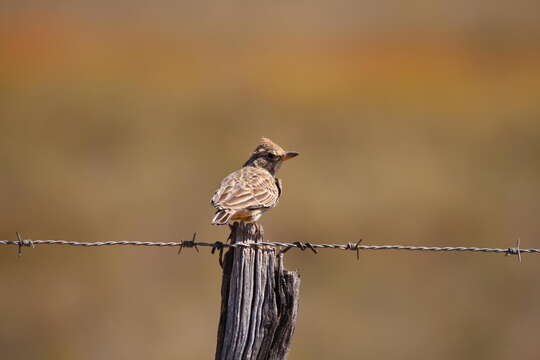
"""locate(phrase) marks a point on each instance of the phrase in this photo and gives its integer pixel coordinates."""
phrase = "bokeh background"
(418, 122)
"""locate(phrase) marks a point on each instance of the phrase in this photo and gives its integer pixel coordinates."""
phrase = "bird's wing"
(247, 188)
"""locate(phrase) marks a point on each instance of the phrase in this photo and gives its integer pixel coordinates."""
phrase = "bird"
(247, 193)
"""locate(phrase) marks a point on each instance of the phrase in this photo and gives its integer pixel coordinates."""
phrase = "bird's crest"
(268, 145)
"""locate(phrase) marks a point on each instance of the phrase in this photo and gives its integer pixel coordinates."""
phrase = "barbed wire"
(284, 246)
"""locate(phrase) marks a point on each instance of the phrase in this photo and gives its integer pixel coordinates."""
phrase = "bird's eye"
(271, 156)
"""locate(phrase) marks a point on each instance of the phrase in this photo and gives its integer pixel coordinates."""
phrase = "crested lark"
(247, 193)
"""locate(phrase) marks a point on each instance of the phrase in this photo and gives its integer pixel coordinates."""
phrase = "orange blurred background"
(417, 123)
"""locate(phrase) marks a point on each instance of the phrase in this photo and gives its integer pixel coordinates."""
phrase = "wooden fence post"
(259, 301)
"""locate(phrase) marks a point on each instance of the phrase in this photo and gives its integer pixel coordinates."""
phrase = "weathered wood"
(259, 301)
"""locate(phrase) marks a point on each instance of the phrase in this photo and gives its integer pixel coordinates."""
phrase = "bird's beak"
(290, 155)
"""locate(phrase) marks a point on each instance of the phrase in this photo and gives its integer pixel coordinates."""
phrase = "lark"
(247, 193)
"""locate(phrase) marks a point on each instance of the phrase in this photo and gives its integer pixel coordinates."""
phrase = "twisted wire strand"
(275, 244)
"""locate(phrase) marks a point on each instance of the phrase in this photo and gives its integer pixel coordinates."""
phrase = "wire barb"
(189, 243)
(516, 250)
(21, 243)
(355, 247)
(302, 246)
(306, 245)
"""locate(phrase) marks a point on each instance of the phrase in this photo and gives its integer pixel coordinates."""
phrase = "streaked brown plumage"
(247, 193)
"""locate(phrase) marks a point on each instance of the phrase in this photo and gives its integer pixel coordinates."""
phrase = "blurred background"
(417, 122)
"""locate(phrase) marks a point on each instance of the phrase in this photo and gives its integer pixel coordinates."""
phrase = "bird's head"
(269, 155)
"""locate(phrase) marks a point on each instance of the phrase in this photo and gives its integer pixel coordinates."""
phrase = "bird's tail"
(222, 217)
